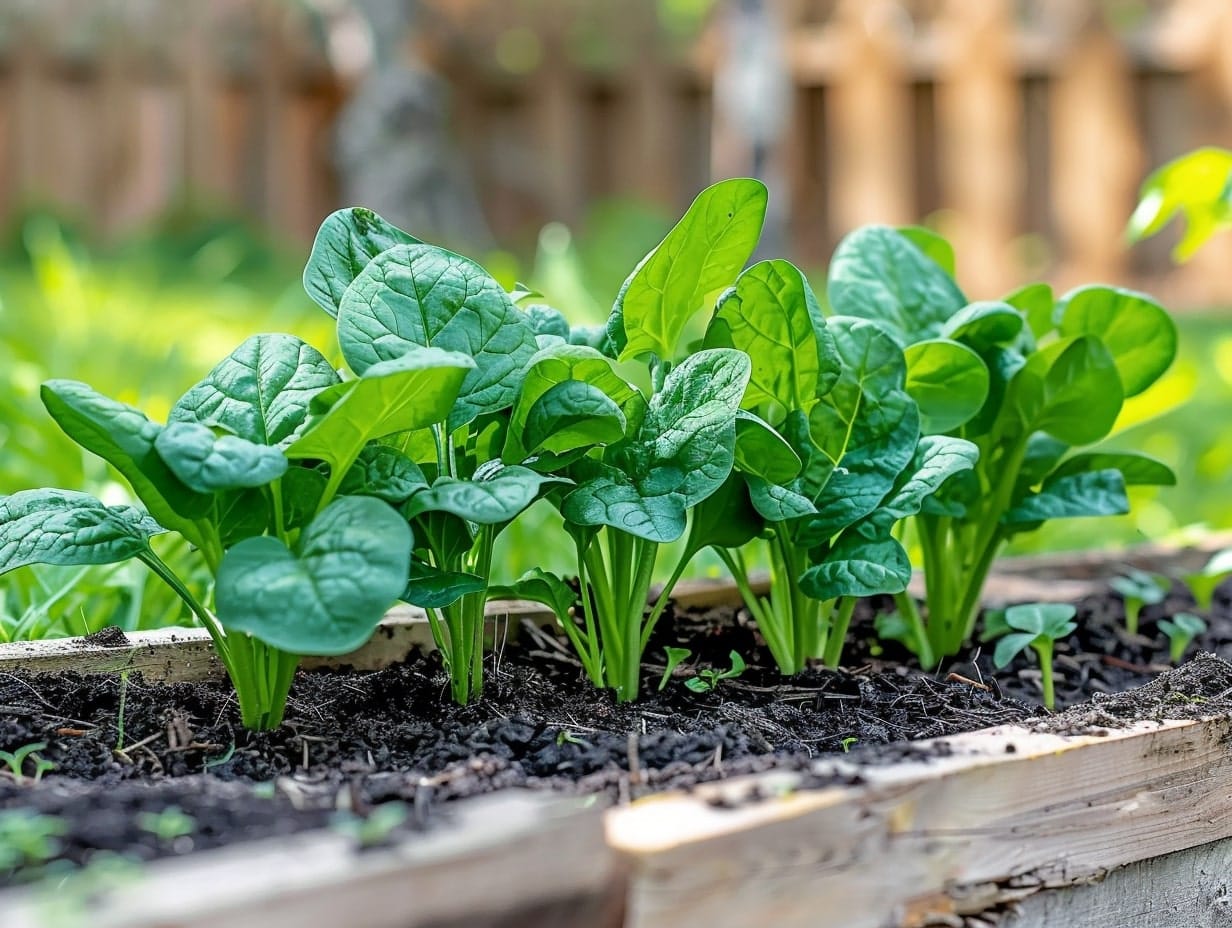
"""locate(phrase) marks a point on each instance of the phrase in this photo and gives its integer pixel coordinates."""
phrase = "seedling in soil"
(847, 743)
(375, 828)
(1181, 630)
(675, 657)
(28, 839)
(168, 824)
(1031, 380)
(1204, 583)
(707, 680)
(1138, 588)
(16, 760)
(1037, 626)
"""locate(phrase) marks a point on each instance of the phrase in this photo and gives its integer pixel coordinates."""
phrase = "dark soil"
(126, 751)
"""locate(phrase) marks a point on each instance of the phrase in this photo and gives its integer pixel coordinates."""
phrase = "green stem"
(911, 612)
(593, 663)
(643, 554)
(1044, 651)
(164, 573)
(838, 633)
(1133, 610)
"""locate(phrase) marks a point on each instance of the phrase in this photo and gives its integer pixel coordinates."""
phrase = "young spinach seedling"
(168, 824)
(28, 838)
(1204, 583)
(1139, 588)
(1181, 630)
(374, 829)
(16, 759)
(706, 680)
(1037, 626)
(675, 657)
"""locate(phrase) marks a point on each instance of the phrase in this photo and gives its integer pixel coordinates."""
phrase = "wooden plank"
(998, 814)
(1187, 889)
(513, 859)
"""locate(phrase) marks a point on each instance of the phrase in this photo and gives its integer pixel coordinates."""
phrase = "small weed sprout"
(846, 743)
(707, 680)
(1037, 626)
(374, 829)
(16, 759)
(1204, 583)
(168, 825)
(1181, 630)
(564, 736)
(675, 657)
(1139, 588)
(28, 839)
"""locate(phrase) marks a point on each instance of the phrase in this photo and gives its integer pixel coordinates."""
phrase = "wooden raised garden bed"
(1104, 817)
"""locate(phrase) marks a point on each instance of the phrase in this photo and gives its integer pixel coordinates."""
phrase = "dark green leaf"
(66, 528)
(1136, 469)
(545, 320)
(984, 324)
(431, 588)
(206, 462)
(261, 391)
(347, 240)
(328, 595)
(1069, 390)
(572, 415)
(539, 586)
(777, 503)
(865, 561)
(418, 296)
(763, 452)
(703, 254)
(491, 501)
(1037, 303)
(726, 518)
(385, 473)
(124, 438)
(1096, 493)
(877, 274)
(937, 458)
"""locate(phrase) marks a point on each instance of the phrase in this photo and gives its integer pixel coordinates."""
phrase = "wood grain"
(517, 855)
(1008, 812)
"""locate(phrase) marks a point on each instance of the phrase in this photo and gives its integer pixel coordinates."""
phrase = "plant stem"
(1043, 650)
(838, 632)
(911, 612)
(1133, 610)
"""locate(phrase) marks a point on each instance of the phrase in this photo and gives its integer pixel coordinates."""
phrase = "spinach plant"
(1180, 631)
(1056, 373)
(454, 477)
(708, 680)
(1206, 581)
(262, 468)
(829, 459)
(1037, 626)
(1138, 588)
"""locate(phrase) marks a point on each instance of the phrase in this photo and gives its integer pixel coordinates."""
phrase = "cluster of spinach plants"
(1033, 381)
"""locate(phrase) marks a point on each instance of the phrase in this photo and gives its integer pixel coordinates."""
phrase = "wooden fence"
(1023, 127)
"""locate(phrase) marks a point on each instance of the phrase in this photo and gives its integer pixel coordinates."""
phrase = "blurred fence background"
(1021, 127)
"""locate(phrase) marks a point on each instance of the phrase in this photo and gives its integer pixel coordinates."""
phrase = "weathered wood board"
(1008, 813)
(515, 859)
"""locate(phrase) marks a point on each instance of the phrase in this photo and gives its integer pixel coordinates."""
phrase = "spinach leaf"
(347, 240)
(206, 462)
(1138, 333)
(327, 595)
(418, 296)
(63, 527)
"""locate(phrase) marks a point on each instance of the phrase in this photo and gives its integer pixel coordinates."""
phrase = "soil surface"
(151, 771)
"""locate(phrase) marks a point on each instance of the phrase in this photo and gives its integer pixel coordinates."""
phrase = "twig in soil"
(1121, 664)
(959, 678)
(635, 766)
(718, 757)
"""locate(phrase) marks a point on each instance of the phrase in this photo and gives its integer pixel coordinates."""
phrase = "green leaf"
(932, 244)
(302, 489)
(984, 324)
(419, 296)
(865, 561)
(1070, 390)
(1135, 469)
(1037, 303)
(948, 381)
(431, 588)
(937, 458)
(865, 429)
(777, 503)
(725, 518)
(1096, 493)
(572, 415)
(684, 452)
(558, 364)
(328, 595)
(65, 528)
(1051, 620)
(878, 274)
(408, 393)
(347, 240)
(489, 501)
(1010, 646)
(206, 462)
(259, 392)
(701, 255)
(383, 472)
(124, 438)
(1137, 331)
(1195, 185)
(763, 452)
(539, 586)
(545, 320)
(772, 315)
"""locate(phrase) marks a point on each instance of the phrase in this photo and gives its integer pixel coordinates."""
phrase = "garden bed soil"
(125, 749)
